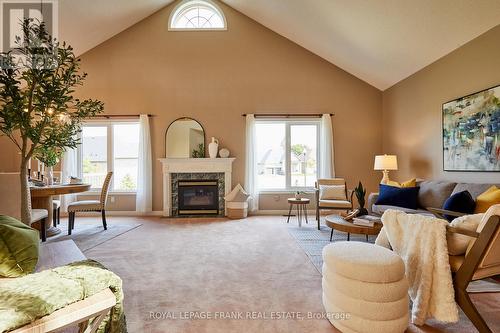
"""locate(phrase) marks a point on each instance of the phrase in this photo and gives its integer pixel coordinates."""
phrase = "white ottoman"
(364, 288)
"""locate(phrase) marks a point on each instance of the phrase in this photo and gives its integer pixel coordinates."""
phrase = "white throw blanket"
(421, 243)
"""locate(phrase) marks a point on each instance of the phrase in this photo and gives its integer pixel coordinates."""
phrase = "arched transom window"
(197, 15)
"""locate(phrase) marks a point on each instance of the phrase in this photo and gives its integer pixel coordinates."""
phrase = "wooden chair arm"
(454, 230)
(441, 212)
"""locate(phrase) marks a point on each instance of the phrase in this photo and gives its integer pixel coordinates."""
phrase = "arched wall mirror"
(185, 138)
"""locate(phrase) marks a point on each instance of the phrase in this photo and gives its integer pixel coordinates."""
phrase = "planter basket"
(237, 203)
(237, 210)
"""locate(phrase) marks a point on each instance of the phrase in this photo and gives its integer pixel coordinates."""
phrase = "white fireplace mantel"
(192, 165)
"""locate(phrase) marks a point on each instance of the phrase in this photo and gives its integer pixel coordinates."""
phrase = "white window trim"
(186, 3)
(109, 154)
(288, 122)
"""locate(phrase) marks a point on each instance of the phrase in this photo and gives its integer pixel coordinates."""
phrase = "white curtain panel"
(326, 167)
(69, 168)
(250, 164)
(144, 197)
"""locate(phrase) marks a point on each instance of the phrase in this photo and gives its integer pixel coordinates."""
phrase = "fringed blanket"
(421, 243)
(25, 299)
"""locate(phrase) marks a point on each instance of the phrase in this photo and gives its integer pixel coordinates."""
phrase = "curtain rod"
(289, 115)
(119, 116)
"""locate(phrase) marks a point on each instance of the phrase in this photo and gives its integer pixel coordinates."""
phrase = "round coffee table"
(301, 209)
(336, 222)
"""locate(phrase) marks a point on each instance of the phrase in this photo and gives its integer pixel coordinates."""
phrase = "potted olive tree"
(37, 104)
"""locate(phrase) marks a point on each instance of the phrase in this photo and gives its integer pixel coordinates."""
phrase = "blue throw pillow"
(406, 197)
(461, 202)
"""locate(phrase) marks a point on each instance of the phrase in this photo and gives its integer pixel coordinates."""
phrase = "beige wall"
(412, 108)
(214, 77)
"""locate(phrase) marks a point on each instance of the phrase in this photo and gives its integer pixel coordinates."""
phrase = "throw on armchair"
(332, 194)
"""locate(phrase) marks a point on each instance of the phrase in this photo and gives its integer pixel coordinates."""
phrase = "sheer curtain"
(144, 196)
(69, 168)
(327, 166)
(250, 164)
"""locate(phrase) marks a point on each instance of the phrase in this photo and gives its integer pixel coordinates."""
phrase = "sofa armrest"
(372, 198)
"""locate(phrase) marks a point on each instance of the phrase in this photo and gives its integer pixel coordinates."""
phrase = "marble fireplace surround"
(174, 169)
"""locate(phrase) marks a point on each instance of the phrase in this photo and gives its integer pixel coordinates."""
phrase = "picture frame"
(471, 132)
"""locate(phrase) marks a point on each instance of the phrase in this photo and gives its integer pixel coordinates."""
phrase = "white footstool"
(364, 288)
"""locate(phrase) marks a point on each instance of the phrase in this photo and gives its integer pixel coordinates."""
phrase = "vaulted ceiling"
(378, 41)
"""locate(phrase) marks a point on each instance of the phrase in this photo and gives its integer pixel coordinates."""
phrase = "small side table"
(301, 209)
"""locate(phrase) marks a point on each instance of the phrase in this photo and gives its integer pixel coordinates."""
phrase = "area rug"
(87, 236)
(312, 241)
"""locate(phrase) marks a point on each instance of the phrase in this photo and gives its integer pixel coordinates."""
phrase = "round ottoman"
(364, 288)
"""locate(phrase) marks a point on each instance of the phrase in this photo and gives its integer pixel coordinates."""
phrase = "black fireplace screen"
(198, 197)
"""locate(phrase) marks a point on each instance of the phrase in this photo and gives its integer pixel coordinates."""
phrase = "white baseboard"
(282, 212)
(118, 213)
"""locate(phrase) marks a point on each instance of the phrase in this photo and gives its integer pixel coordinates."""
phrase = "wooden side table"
(301, 209)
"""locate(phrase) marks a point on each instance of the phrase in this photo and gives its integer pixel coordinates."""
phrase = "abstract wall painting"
(471, 132)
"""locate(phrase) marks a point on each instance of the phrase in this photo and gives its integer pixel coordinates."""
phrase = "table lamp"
(385, 163)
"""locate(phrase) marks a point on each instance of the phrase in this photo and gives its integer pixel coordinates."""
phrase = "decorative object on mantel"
(471, 132)
(360, 193)
(213, 148)
(237, 203)
(40, 109)
(200, 152)
(224, 153)
(185, 138)
(385, 163)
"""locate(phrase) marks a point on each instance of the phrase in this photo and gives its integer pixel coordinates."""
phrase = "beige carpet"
(170, 267)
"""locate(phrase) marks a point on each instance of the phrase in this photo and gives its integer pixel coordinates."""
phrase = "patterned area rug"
(87, 236)
(312, 240)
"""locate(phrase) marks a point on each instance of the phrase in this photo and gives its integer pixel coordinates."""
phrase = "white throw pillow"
(332, 192)
(457, 243)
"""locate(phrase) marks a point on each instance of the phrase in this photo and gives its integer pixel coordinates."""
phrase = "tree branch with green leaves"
(38, 110)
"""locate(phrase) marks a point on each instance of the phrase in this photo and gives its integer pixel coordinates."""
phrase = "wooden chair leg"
(71, 219)
(103, 212)
(318, 218)
(470, 310)
(43, 231)
(59, 215)
(54, 217)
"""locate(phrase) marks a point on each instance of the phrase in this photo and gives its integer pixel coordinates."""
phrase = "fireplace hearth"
(198, 197)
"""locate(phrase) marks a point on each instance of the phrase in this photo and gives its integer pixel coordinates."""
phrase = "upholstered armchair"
(481, 260)
(332, 194)
(90, 205)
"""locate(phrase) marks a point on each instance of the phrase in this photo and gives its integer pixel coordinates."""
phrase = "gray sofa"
(432, 193)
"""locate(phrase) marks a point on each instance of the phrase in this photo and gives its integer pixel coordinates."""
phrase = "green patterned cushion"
(18, 247)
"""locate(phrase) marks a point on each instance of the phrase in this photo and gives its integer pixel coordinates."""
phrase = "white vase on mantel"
(213, 148)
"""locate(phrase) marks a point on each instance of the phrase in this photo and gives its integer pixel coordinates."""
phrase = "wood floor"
(178, 271)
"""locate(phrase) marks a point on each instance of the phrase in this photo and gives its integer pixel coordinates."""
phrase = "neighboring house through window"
(287, 154)
(110, 146)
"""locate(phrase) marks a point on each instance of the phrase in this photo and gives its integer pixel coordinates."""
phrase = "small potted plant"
(50, 157)
(298, 195)
(360, 193)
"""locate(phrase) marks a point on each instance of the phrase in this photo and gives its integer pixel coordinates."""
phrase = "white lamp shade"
(386, 162)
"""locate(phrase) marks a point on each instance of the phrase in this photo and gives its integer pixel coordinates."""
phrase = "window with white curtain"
(109, 146)
(197, 15)
(287, 154)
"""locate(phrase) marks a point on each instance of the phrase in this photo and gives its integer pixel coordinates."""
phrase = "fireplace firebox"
(198, 197)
